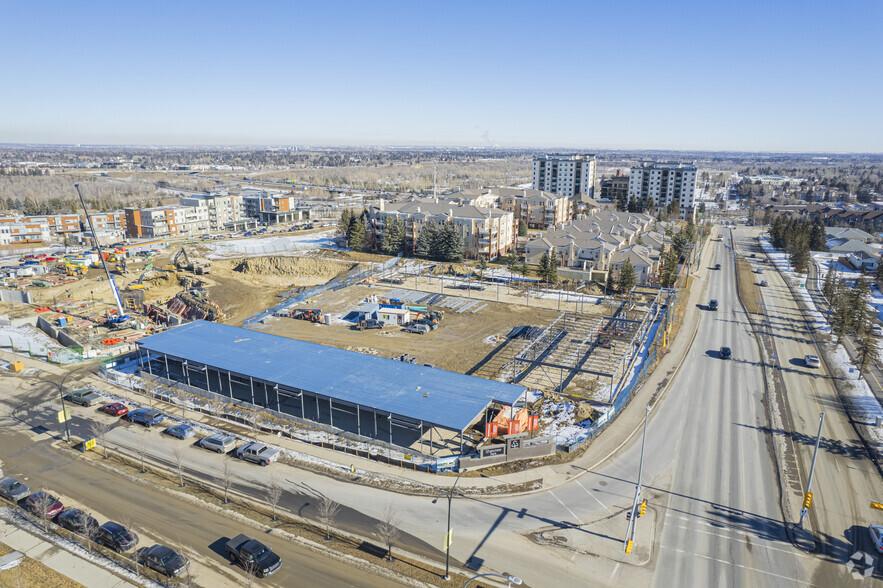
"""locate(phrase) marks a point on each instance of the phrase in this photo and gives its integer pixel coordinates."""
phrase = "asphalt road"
(155, 515)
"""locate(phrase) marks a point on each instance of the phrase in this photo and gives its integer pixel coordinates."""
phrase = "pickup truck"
(84, 397)
(418, 328)
(253, 556)
(257, 453)
(369, 324)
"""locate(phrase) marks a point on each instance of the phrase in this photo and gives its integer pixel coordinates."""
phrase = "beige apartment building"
(488, 232)
(166, 221)
(538, 209)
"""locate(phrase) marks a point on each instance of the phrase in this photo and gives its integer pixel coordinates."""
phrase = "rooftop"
(446, 399)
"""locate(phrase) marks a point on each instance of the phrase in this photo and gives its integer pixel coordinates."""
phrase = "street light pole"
(630, 532)
(448, 537)
(804, 511)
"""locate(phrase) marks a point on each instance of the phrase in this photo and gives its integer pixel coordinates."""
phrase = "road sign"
(89, 444)
(64, 415)
(877, 505)
(629, 545)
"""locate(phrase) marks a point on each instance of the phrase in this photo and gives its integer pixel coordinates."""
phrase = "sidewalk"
(60, 560)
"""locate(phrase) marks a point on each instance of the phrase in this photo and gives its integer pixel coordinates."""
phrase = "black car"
(164, 560)
(717, 266)
(115, 536)
(712, 304)
(726, 353)
(73, 519)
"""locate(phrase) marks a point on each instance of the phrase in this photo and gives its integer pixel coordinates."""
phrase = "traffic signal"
(629, 545)
(628, 515)
(643, 508)
(807, 499)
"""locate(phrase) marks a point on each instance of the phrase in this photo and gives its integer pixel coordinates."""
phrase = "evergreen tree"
(669, 268)
(632, 205)
(866, 342)
(690, 230)
(393, 236)
(426, 240)
(829, 284)
(627, 276)
(449, 244)
(554, 262)
(681, 245)
(355, 237)
(545, 264)
(840, 311)
(525, 269)
(673, 209)
(512, 261)
(611, 282)
(522, 228)
(817, 237)
(343, 223)
(800, 253)
(482, 266)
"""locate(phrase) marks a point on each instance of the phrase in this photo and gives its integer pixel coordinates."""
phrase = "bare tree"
(99, 429)
(142, 448)
(274, 493)
(41, 505)
(388, 529)
(227, 478)
(178, 454)
(328, 510)
(216, 409)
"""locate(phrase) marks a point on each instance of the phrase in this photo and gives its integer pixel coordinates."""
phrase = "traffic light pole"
(630, 532)
(805, 510)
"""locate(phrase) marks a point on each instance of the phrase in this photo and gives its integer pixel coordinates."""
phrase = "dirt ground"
(457, 345)
(32, 574)
(749, 291)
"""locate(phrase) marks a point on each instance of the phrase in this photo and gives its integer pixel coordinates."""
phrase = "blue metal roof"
(431, 395)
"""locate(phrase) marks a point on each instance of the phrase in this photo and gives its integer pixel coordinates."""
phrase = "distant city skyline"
(786, 76)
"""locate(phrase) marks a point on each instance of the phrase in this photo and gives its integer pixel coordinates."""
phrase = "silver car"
(218, 442)
(812, 361)
(12, 489)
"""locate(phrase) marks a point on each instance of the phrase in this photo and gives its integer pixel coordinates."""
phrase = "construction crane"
(121, 314)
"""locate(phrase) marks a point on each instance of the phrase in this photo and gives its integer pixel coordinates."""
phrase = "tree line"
(851, 313)
(797, 238)
(436, 241)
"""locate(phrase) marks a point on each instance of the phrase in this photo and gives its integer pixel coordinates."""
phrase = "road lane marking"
(595, 497)
(737, 539)
(613, 573)
(573, 514)
(723, 561)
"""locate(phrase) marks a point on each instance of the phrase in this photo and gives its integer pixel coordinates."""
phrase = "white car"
(812, 361)
(877, 330)
(876, 533)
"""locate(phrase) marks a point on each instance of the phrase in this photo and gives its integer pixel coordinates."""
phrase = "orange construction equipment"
(41, 309)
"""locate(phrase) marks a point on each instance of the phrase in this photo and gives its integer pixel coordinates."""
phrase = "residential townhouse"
(488, 232)
(21, 231)
(58, 223)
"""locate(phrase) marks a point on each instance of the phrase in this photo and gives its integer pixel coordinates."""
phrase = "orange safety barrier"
(41, 309)
(113, 341)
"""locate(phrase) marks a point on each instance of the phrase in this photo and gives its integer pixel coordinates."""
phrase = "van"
(712, 304)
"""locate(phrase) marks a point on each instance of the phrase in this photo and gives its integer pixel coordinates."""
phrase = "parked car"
(12, 489)
(418, 328)
(877, 330)
(164, 560)
(726, 353)
(115, 536)
(258, 453)
(764, 283)
(812, 361)
(84, 397)
(43, 504)
(115, 409)
(77, 521)
(876, 533)
(180, 431)
(146, 416)
(253, 556)
(712, 304)
(218, 442)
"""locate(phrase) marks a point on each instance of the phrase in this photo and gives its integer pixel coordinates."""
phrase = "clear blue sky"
(781, 75)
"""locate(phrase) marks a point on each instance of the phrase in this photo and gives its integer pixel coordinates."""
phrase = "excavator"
(198, 267)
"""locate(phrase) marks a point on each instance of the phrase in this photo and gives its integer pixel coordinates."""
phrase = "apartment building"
(220, 209)
(571, 175)
(488, 232)
(19, 230)
(166, 221)
(615, 189)
(661, 183)
(108, 221)
(58, 223)
(538, 209)
(274, 209)
(591, 244)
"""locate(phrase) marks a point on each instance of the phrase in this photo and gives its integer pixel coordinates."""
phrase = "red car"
(44, 504)
(115, 409)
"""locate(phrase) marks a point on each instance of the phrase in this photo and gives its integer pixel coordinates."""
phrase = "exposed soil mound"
(279, 265)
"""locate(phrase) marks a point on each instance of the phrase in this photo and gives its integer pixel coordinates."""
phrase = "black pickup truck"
(253, 556)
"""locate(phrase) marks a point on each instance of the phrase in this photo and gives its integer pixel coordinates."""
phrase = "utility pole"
(633, 523)
(807, 496)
